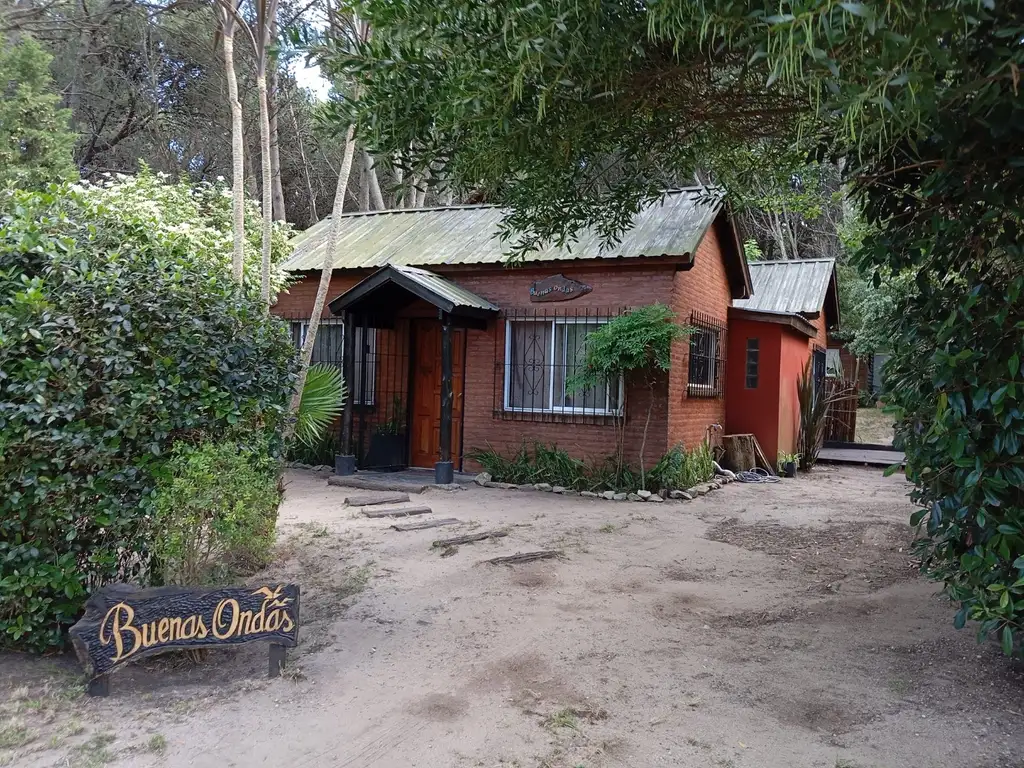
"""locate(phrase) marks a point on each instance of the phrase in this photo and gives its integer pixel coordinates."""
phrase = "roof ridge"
(815, 260)
(481, 206)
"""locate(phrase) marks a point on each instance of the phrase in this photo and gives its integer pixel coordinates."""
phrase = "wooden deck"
(875, 457)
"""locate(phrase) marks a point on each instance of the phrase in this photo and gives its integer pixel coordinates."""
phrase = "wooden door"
(425, 440)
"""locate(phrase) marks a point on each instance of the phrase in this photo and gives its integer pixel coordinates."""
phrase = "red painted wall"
(755, 411)
(796, 350)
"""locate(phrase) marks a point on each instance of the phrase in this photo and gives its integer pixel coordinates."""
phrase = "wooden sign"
(122, 623)
(558, 288)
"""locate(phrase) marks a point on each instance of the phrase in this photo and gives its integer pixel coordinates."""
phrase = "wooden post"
(99, 686)
(345, 463)
(277, 660)
(444, 471)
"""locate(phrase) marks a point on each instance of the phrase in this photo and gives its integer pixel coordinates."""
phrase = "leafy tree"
(635, 346)
(577, 114)
(121, 333)
(35, 143)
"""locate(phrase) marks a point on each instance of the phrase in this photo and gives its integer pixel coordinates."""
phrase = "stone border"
(484, 480)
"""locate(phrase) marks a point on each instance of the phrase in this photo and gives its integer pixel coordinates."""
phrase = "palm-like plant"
(323, 397)
(814, 407)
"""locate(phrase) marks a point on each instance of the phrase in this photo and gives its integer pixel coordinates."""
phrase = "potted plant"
(388, 441)
(787, 463)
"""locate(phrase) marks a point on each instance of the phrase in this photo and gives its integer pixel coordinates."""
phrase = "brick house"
(452, 350)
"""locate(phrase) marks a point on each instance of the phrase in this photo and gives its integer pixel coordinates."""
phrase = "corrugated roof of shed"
(798, 286)
(433, 237)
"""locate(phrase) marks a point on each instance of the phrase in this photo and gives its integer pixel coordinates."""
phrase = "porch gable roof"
(376, 294)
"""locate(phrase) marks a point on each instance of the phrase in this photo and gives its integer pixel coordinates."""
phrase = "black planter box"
(387, 452)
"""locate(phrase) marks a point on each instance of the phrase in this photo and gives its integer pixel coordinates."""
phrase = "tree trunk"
(421, 195)
(643, 440)
(326, 270)
(274, 103)
(364, 190)
(410, 193)
(375, 195)
(399, 192)
(237, 161)
(267, 184)
(314, 216)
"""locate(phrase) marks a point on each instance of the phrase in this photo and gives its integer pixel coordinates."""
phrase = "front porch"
(405, 362)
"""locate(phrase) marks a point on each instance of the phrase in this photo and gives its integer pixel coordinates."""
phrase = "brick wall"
(298, 299)
(616, 286)
(704, 288)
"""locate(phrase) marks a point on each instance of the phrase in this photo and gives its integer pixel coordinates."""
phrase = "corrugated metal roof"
(445, 288)
(469, 235)
(789, 286)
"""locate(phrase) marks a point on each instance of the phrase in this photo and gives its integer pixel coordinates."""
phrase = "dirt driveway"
(762, 626)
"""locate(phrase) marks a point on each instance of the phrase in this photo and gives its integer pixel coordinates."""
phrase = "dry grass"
(873, 426)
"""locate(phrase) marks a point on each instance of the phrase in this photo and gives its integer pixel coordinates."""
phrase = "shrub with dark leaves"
(121, 332)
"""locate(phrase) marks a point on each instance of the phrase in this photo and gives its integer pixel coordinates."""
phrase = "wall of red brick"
(821, 334)
(298, 299)
(704, 288)
(615, 287)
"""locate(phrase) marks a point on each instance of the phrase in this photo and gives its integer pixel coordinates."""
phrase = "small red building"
(771, 336)
(451, 350)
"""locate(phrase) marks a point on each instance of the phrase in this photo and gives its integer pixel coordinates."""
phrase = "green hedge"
(121, 333)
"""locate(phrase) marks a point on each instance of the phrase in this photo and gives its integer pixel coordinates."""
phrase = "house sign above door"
(557, 288)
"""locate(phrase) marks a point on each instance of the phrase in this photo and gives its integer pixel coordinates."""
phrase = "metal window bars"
(379, 390)
(753, 361)
(707, 356)
(538, 355)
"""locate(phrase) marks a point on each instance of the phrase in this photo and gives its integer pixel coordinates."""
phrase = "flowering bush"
(122, 333)
(199, 214)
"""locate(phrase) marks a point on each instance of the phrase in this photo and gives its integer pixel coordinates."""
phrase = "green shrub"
(322, 451)
(676, 469)
(214, 511)
(121, 333)
(679, 469)
(546, 465)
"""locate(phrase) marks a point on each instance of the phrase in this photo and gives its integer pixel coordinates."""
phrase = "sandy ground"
(874, 426)
(764, 626)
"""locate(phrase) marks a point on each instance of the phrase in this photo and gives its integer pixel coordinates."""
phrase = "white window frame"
(833, 363)
(371, 382)
(706, 389)
(571, 410)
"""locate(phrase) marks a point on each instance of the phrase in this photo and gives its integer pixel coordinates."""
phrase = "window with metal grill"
(541, 357)
(329, 346)
(707, 356)
(753, 355)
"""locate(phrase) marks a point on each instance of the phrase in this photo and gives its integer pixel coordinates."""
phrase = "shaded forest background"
(145, 82)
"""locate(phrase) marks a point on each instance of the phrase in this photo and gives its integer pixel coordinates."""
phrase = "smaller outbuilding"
(772, 335)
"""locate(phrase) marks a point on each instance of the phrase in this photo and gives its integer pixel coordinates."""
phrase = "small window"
(833, 364)
(329, 346)
(706, 357)
(753, 352)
